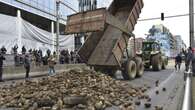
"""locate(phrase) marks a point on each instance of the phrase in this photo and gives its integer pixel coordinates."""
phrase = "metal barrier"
(187, 100)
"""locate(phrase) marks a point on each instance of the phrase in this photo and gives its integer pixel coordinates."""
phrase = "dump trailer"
(110, 29)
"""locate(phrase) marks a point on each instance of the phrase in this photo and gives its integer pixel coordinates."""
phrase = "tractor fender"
(154, 52)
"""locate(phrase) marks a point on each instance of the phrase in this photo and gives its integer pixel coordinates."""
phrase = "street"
(172, 80)
(97, 55)
(169, 79)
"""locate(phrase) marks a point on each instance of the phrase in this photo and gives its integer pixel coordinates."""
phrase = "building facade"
(32, 15)
(179, 44)
(41, 13)
(137, 44)
(84, 5)
(162, 35)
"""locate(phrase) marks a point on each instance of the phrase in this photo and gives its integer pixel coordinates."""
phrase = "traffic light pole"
(191, 19)
(57, 27)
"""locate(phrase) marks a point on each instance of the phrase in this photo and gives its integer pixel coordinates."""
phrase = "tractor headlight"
(154, 52)
(139, 52)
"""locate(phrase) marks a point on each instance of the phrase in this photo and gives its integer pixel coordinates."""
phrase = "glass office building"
(39, 12)
(45, 8)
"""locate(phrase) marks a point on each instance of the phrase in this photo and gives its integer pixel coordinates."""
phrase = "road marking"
(162, 83)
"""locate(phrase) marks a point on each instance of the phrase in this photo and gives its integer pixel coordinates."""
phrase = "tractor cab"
(151, 46)
(152, 55)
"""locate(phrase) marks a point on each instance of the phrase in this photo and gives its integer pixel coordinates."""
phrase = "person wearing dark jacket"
(1, 66)
(23, 50)
(188, 58)
(27, 65)
(3, 50)
(15, 49)
(48, 52)
(178, 61)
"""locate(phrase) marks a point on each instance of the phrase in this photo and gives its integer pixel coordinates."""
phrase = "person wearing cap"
(1, 65)
(27, 65)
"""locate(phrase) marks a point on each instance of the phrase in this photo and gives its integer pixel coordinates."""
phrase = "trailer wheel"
(157, 62)
(140, 66)
(129, 71)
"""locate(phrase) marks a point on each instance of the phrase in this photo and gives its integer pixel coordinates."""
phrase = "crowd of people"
(38, 59)
(34, 57)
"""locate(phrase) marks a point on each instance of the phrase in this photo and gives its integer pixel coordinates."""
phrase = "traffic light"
(162, 16)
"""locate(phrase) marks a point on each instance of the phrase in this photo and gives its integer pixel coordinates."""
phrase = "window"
(147, 46)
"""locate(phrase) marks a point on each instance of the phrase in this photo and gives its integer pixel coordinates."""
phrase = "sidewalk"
(43, 72)
(193, 92)
(18, 76)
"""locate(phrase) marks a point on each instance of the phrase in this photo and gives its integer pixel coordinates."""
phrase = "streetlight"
(57, 26)
(58, 2)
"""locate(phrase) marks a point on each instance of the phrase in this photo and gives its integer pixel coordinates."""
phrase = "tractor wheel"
(140, 66)
(156, 62)
(164, 65)
(129, 71)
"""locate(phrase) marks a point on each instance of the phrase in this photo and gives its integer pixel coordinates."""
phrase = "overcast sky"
(153, 8)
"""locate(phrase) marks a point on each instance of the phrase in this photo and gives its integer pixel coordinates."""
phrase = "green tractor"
(153, 56)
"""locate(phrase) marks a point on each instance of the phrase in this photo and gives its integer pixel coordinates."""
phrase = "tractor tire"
(164, 65)
(129, 71)
(156, 62)
(140, 66)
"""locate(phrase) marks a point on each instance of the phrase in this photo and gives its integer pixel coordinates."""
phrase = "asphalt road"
(169, 79)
